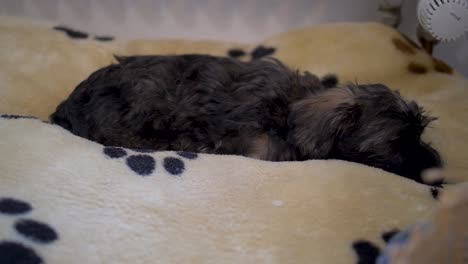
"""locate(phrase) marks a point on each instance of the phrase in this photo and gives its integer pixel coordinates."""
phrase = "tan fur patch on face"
(259, 148)
(402, 46)
(441, 66)
(332, 98)
(417, 68)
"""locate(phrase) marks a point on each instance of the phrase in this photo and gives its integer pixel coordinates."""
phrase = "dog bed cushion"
(64, 199)
(40, 66)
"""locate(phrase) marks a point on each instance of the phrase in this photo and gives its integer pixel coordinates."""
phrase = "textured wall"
(236, 20)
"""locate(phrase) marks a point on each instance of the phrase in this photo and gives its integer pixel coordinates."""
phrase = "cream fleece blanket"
(64, 199)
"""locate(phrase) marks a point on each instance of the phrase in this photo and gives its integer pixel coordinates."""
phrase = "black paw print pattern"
(435, 191)
(257, 53)
(367, 252)
(9, 116)
(144, 164)
(34, 231)
(12, 117)
(77, 34)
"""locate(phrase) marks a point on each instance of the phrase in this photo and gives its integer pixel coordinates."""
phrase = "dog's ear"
(318, 122)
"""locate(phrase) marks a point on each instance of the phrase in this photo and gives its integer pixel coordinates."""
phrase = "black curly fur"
(261, 109)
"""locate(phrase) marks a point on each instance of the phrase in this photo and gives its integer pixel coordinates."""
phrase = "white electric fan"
(444, 20)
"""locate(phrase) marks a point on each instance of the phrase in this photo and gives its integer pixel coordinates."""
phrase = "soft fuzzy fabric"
(440, 239)
(64, 199)
(117, 208)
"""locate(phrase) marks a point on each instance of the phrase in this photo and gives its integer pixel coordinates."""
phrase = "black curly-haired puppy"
(258, 109)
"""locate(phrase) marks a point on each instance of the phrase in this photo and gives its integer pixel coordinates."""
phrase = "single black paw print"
(236, 53)
(435, 191)
(262, 51)
(329, 80)
(72, 33)
(367, 252)
(144, 164)
(34, 231)
(104, 38)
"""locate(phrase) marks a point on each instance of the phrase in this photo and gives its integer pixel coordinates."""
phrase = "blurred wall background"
(231, 20)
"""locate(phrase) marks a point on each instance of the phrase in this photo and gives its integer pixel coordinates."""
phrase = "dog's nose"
(432, 175)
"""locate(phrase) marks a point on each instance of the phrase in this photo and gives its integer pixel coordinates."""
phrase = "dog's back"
(189, 102)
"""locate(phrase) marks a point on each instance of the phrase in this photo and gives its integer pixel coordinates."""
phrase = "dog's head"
(368, 124)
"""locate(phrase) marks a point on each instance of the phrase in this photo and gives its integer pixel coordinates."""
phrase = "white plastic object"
(444, 19)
